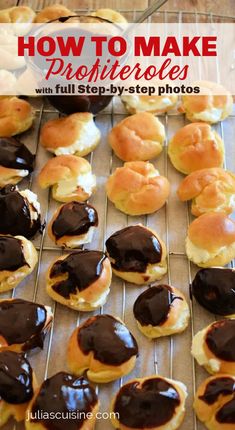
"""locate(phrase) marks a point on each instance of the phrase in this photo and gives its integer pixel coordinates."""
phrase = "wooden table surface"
(220, 7)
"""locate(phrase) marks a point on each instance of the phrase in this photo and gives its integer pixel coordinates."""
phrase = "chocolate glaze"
(73, 219)
(220, 339)
(15, 378)
(226, 414)
(15, 155)
(83, 268)
(64, 393)
(15, 214)
(22, 322)
(150, 406)
(216, 387)
(153, 305)
(214, 289)
(11, 253)
(108, 338)
(133, 248)
(221, 386)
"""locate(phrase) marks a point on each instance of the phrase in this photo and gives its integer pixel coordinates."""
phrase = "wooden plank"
(88, 4)
(225, 7)
(4, 4)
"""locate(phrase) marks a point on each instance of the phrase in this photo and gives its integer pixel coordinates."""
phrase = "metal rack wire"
(122, 298)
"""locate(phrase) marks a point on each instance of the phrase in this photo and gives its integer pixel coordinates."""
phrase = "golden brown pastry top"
(212, 104)
(17, 14)
(211, 189)
(110, 15)
(212, 231)
(61, 168)
(137, 188)
(137, 137)
(16, 115)
(63, 132)
(50, 13)
(194, 147)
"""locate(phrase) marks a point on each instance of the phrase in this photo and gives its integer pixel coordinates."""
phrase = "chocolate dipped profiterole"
(20, 212)
(16, 161)
(214, 402)
(29, 324)
(214, 289)
(17, 386)
(80, 280)
(161, 311)
(73, 399)
(18, 258)
(137, 254)
(150, 403)
(73, 224)
(104, 347)
(214, 347)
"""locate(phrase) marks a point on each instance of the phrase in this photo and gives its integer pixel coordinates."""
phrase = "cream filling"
(156, 270)
(200, 255)
(150, 103)
(74, 242)
(213, 115)
(232, 202)
(89, 136)
(97, 303)
(86, 181)
(32, 199)
(49, 317)
(153, 174)
(199, 353)
(229, 203)
(22, 173)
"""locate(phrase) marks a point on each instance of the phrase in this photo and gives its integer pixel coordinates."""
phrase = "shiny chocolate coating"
(82, 103)
(149, 405)
(108, 338)
(15, 378)
(214, 289)
(221, 386)
(226, 414)
(220, 339)
(11, 253)
(152, 307)
(83, 268)
(74, 219)
(22, 322)
(15, 155)
(15, 216)
(64, 393)
(133, 248)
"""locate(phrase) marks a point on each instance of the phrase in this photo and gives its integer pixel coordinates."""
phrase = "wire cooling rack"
(169, 356)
